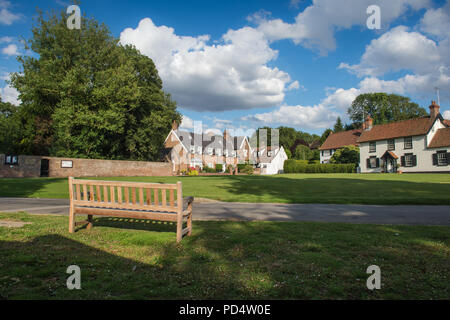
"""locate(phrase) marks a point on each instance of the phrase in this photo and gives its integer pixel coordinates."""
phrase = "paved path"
(409, 215)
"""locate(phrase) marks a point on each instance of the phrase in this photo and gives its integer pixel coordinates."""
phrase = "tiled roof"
(441, 139)
(341, 139)
(447, 122)
(406, 128)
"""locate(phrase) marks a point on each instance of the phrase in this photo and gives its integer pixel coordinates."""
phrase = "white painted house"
(416, 145)
(271, 160)
(338, 140)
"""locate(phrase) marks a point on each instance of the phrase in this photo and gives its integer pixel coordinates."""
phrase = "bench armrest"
(188, 200)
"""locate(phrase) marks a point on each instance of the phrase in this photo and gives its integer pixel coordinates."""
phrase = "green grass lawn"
(222, 260)
(288, 188)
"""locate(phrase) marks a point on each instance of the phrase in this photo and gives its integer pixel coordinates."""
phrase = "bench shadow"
(134, 224)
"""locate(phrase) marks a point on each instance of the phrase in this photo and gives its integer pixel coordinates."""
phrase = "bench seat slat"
(127, 213)
(122, 206)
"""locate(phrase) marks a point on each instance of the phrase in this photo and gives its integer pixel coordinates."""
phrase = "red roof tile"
(406, 128)
(441, 139)
(447, 122)
(341, 139)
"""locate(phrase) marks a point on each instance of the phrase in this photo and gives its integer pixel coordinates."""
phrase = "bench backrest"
(126, 195)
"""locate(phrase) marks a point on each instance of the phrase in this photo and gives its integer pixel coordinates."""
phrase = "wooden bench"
(137, 200)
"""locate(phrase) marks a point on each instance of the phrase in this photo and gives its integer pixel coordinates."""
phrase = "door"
(44, 167)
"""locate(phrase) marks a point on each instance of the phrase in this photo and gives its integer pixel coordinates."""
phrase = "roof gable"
(441, 138)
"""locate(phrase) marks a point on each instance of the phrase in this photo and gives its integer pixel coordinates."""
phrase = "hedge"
(298, 166)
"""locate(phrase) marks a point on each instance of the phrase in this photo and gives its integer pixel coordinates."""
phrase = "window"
(245, 152)
(199, 150)
(192, 149)
(441, 158)
(373, 162)
(372, 147)
(322, 153)
(234, 153)
(218, 152)
(269, 154)
(408, 143)
(210, 151)
(391, 144)
(12, 160)
(409, 160)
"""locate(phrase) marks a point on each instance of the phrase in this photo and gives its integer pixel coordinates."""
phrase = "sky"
(240, 65)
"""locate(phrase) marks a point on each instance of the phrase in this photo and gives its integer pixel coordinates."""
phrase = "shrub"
(219, 167)
(245, 168)
(208, 170)
(193, 173)
(298, 166)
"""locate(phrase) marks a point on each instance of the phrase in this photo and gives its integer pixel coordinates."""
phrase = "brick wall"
(30, 166)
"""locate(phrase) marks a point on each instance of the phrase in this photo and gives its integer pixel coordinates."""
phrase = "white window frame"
(408, 143)
(409, 160)
(372, 146)
(442, 159)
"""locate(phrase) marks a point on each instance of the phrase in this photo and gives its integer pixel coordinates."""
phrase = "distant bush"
(245, 168)
(219, 167)
(207, 169)
(193, 173)
(299, 166)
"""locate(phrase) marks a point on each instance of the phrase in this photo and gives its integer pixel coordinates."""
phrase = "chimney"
(368, 123)
(434, 110)
(226, 135)
(174, 125)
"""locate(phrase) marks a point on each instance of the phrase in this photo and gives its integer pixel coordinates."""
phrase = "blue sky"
(244, 64)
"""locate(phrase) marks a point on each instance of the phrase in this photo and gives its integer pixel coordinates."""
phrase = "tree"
(325, 135)
(384, 108)
(303, 153)
(10, 132)
(338, 127)
(347, 154)
(88, 96)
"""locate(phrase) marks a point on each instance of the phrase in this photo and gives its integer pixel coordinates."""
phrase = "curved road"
(376, 214)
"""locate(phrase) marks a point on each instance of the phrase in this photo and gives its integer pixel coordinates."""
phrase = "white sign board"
(66, 164)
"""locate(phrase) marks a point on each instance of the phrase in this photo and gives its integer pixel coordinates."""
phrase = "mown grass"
(431, 189)
(222, 260)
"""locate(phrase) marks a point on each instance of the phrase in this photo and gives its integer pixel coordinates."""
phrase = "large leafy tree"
(85, 95)
(10, 132)
(384, 108)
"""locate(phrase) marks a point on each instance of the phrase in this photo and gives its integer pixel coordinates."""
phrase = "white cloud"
(315, 26)
(10, 94)
(6, 16)
(309, 117)
(6, 39)
(229, 74)
(187, 123)
(446, 115)
(397, 49)
(341, 99)
(10, 50)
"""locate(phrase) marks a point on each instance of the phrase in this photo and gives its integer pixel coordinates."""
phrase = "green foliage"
(288, 153)
(219, 167)
(245, 168)
(85, 95)
(384, 108)
(338, 127)
(192, 173)
(10, 128)
(346, 154)
(295, 166)
(207, 169)
(325, 135)
(303, 153)
(229, 168)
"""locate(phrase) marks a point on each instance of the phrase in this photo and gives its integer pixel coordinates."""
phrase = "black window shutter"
(435, 159)
(402, 161)
(448, 158)
(378, 163)
(368, 163)
(414, 160)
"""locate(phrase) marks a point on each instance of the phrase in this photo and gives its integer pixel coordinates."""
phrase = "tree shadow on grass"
(225, 260)
(337, 190)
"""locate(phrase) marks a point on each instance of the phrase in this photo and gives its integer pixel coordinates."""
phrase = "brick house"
(416, 145)
(187, 149)
(338, 140)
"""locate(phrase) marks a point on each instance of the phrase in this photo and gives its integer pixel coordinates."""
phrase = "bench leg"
(189, 220)
(71, 220)
(90, 222)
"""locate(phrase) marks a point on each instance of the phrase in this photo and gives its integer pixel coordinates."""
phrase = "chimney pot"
(434, 110)
(174, 125)
(368, 123)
